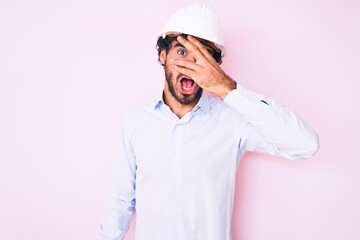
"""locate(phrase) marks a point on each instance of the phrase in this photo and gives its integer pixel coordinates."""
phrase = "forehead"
(207, 43)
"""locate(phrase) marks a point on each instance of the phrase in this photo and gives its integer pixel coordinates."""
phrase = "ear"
(163, 57)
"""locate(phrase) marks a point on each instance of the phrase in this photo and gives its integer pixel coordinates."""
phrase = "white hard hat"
(198, 20)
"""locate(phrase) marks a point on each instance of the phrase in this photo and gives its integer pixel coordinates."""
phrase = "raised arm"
(272, 128)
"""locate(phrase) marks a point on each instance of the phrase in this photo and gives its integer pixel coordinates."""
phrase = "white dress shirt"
(179, 174)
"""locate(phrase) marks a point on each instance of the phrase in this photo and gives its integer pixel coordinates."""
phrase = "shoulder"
(140, 114)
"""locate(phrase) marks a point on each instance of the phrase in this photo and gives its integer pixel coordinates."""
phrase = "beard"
(184, 99)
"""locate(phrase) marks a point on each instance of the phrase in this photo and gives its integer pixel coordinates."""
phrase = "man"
(179, 155)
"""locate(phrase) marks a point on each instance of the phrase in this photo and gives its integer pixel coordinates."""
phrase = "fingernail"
(179, 37)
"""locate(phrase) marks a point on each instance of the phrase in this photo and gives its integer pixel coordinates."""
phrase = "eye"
(182, 52)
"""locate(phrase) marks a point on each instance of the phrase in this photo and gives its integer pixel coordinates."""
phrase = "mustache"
(180, 75)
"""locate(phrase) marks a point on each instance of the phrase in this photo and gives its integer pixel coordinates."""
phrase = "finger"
(185, 64)
(190, 46)
(187, 72)
(201, 47)
(188, 68)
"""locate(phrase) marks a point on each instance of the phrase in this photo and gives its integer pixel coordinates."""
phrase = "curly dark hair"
(165, 43)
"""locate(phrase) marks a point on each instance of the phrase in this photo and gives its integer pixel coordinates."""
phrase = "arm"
(272, 128)
(121, 204)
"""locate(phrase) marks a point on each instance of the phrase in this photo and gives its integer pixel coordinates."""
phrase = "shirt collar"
(202, 104)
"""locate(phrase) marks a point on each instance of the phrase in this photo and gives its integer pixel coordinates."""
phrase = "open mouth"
(187, 84)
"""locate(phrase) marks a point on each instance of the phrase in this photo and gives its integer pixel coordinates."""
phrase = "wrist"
(229, 85)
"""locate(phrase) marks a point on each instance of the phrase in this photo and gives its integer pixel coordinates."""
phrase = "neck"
(177, 108)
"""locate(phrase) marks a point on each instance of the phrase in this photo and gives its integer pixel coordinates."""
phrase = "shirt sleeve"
(121, 204)
(272, 128)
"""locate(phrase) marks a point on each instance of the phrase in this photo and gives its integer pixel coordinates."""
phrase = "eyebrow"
(178, 45)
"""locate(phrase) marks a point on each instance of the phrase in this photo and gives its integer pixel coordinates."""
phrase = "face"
(182, 88)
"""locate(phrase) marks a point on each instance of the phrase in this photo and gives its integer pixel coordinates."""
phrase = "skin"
(197, 64)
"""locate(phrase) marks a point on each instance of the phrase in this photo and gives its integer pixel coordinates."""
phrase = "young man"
(179, 155)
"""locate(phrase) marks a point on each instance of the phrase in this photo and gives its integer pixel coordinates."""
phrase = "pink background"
(70, 69)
